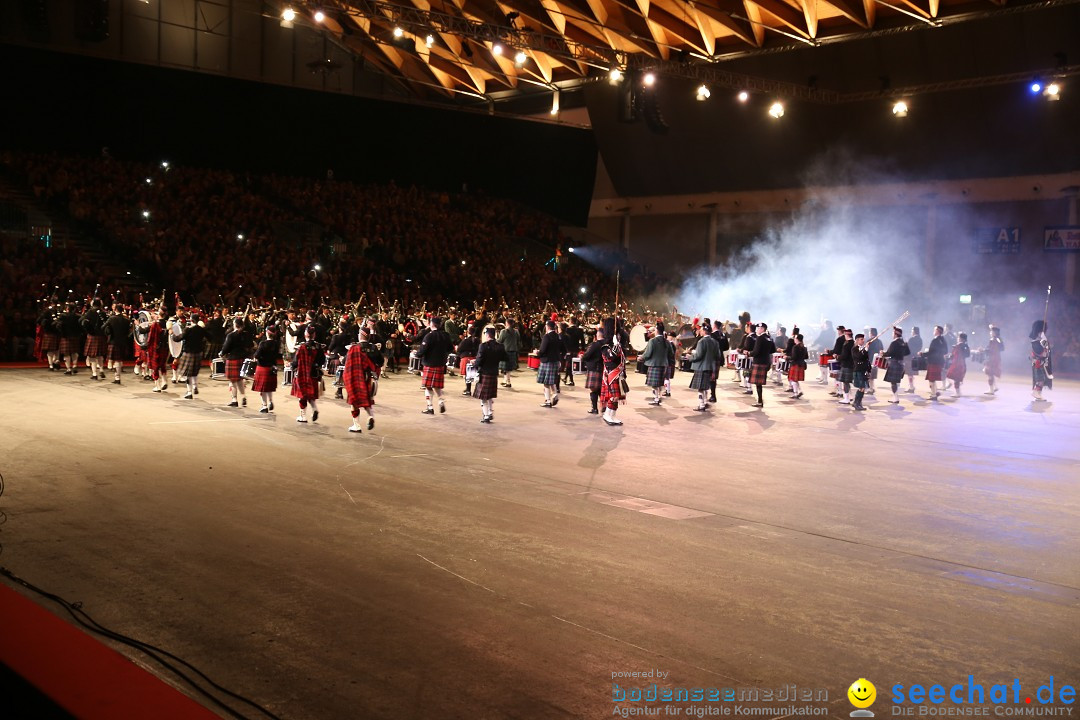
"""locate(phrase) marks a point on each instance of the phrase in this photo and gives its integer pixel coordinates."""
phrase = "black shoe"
(371, 423)
(858, 407)
(196, 391)
(271, 406)
(466, 392)
(789, 390)
(338, 395)
(263, 410)
(314, 415)
(797, 396)
(243, 402)
(429, 411)
(546, 403)
(594, 411)
(712, 398)
(555, 400)
(667, 394)
(115, 382)
(442, 407)
(485, 419)
(757, 404)
(233, 404)
(67, 372)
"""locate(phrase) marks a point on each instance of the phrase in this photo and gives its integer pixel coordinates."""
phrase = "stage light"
(398, 32)
(584, 289)
(1036, 87)
(429, 40)
(462, 262)
(743, 96)
(146, 214)
(319, 16)
(496, 49)
(165, 164)
(900, 109)
(570, 249)
(520, 58)
(288, 15)
(965, 299)
(703, 93)
(649, 79)
(776, 110)
(1053, 91)
(239, 236)
(582, 306)
(1023, 299)
(128, 272)
(318, 268)
(615, 76)
(148, 181)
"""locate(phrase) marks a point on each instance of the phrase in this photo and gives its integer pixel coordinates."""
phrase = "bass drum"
(639, 337)
(176, 338)
(142, 328)
(373, 385)
(291, 338)
(686, 336)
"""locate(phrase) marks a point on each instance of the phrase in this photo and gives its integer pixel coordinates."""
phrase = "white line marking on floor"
(460, 577)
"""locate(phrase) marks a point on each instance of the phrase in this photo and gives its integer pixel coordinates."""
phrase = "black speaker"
(92, 20)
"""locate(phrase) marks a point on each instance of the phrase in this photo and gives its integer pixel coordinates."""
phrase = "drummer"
(466, 351)
(235, 351)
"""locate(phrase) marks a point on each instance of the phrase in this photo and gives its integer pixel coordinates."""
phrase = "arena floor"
(441, 568)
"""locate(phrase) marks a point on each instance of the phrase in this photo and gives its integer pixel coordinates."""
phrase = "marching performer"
(266, 359)
(510, 339)
(703, 362)
(551, 356)
(308, 362)
(1042, 369)
(797, 354)
(614, 366)
(194, 341)
(722, 345)
(594, 368)
(837, 348)
(821, 344)
(70, 337)
(488, 359)
(157, 350)
(359, 371)
(49, 338)
(433, 353)
(669, 337)
(847, 368)
(992, 368)
(935, 360)
(235, 351)
(118, 331)
(761, 356)
(958, 365)
(786, 349)
(915, 347)
(781, 343)
(93, 322)
(747, 347)
(873, 347)
(897, 353)
(860, 371)
(466, 352)
(655, 358)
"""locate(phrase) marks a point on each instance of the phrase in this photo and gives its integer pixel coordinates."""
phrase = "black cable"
(78, 614)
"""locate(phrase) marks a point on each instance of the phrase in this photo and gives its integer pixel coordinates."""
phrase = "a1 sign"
(997, 241)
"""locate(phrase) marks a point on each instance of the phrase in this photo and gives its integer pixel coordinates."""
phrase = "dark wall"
(78, 104)
(722, 145)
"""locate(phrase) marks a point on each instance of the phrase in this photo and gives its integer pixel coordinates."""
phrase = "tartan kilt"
(486, 388)
(670, 372)
(759, 374)
(50, 342)
(933, 372)
(957, 370)
(510, 363)
(655, 375)
(861, 379)
(232, 370)
(592, 379)
(702, 380)
(432, 377)
(115, 351)
(796, 373)
(361, 398)
(189, 364)
(548, 374)
(96, 345)
(265, 380)
(464, 364)
(611, 394)
(846, 375)
(69, 346)
(895, 371)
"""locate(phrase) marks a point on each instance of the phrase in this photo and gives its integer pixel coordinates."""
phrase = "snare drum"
(824, 359)
(918, 363)
(247, 369)
(834, 368)
(451, 363)
(414, 363)
(782, 365)
(731, 357)
(742, 362)
(777, 358)
(339, 376)
(881, 362)
(534, 362)
(471, 373)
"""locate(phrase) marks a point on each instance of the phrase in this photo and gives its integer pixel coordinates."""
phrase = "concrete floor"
(441, 568)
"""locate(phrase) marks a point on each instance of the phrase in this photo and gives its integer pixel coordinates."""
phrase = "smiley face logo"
(862, 693)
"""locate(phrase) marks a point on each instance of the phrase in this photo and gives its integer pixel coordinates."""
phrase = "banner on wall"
(1061, 238)
(996, 241)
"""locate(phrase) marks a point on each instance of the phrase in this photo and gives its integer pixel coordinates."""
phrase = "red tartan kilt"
(611, 393)
(265, 380)
(464, 364)
(796, 373)
(50, 342)
(359, 393)
(140, 354)
(487, 387)
(933, 373)
(432, 377)
(306, 388)
(114, 352)
(69, 346)
(96, 345)
(156, 357)
(232, 370)
(759, 374)
(592, 380)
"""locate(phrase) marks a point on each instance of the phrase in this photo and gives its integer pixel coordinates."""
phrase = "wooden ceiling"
(492, 48)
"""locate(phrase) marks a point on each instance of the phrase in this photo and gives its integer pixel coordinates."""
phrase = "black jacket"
(435, 348)
(551, 348)
(935, 354)
(845, 358)
(469, 346)
(592, 359)
(489, 356)
(235, 346)
(860, 358)
(93, 322)
(898, 349)
(194, 340)
(798, 355)
(722, 341)
(570, 344)
(763, 350)
(269, 353)
(838, 346)
(118, 328)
